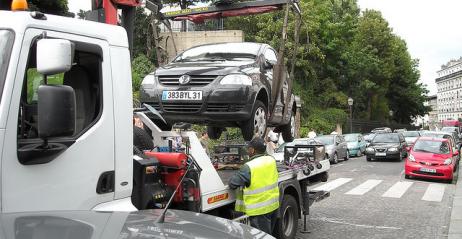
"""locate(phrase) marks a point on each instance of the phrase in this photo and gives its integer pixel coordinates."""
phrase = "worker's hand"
(138, 123)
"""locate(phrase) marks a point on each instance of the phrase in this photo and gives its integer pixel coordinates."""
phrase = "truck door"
(82, 176)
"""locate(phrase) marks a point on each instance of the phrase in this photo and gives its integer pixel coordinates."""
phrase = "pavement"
(374, 200)
(455, 227)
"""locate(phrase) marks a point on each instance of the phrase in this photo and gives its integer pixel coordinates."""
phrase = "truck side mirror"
(269, 64)
(56, 111)
(56, 118)
(54, 56)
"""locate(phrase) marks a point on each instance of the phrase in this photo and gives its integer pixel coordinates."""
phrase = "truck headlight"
(236, 79)
(411, 158)
(369, 149)
(447, 161)
(393, 149)
(149, 81)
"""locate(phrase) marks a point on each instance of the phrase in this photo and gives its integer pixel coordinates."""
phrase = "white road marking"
(364, 187)
(434, 193)
(323, 219)
(397, 190)
(333, 184)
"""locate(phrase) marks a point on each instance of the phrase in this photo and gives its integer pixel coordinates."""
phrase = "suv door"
(82, 176)
(402, 144)
(270, 56)
(342, 146)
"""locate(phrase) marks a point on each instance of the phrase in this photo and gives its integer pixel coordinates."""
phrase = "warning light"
(19, 5)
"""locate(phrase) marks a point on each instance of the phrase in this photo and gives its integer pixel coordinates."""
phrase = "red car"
(431, 158)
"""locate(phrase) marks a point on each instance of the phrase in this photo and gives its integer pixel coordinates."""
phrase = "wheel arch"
(291, 187)
(263, 97)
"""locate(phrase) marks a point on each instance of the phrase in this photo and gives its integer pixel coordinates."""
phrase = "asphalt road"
(373, 200)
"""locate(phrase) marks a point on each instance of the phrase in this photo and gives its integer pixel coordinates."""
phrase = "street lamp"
(391, 115)
(350, 105)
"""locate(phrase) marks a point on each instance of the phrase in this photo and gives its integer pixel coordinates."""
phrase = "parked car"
(368, 138)
(222, 85)
(411, 137)
(399, 130)
(454, 130)
(432, 158)
(381, 130)
(336, 147)
(445, 135)
(279, 152)
(356, 144)
(387, 146)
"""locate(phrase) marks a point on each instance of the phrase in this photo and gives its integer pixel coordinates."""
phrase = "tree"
(350, 54)
(81, 14)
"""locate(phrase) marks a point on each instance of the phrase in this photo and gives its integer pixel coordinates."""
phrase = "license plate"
(380, 154)
(428, 170)
(181, 95)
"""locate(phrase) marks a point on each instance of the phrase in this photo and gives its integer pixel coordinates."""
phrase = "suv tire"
(257, 118)
(288, 130)
(214, 132)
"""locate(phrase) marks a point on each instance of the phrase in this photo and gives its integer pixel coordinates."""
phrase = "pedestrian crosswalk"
(434, 191)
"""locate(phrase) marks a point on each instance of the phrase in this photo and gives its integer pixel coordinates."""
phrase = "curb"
(455, 226)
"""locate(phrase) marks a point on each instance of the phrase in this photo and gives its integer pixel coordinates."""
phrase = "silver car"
(336, 147)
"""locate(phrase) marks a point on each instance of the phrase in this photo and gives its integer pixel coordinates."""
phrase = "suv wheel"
(256, 123)
(288, 130)
(214, 132)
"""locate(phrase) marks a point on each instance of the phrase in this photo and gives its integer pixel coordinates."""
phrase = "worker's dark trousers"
(265, 222)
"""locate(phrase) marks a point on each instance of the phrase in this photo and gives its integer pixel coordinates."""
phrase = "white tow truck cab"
(66, 131)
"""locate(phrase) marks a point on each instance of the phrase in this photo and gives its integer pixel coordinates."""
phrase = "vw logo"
(184, 79)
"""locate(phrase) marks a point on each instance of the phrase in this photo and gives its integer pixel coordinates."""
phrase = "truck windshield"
(6, 44)
(220, 52)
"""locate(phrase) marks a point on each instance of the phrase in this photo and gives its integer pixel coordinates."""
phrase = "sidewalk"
(455, 226)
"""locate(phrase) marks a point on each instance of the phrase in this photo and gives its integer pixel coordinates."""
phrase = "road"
(374, 200)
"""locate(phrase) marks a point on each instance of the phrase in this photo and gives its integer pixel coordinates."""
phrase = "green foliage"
(57, 7)
(350, 54)
(141, 66)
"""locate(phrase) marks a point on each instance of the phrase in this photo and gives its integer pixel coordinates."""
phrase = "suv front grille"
(223, 107)
(182, 107)
(195, 80)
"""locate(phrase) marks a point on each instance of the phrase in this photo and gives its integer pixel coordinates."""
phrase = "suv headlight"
(236, 80)
(411, 158)
(149, 81)
(393, 149)
(369, 149)
(447, 161)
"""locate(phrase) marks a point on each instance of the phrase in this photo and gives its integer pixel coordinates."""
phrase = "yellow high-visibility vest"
(262, 196)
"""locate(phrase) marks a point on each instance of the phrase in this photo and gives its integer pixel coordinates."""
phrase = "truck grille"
(223, 107)
(182, 107)
(195, 80)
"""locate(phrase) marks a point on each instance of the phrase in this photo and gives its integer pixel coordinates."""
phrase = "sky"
(428, 26)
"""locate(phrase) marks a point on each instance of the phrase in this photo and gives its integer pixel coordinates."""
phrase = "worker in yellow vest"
(256, 184)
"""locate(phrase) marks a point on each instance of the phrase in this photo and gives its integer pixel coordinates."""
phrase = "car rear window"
(436, 147)
(411, 134)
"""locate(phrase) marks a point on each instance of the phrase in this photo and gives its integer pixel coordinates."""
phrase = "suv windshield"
(436, 147)
(326, 140)
(6, 44)
(386, 138)
(410, 134)
(220, 52)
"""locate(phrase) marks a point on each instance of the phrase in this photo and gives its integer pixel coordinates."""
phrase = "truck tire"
(287, 225)
(141, 139)
(214, 132)
(256, 123)
(288, 130)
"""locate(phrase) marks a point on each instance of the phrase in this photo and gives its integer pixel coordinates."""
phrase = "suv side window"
(84, 77)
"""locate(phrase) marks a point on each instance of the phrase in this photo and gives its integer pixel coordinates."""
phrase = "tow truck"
(66, 132)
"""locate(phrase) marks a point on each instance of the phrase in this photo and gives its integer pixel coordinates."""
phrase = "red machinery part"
(174, 160)
(200, 18)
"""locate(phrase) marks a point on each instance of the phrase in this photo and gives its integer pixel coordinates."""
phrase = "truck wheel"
(288, 130)
(256, 123)
(214, 132)
(287, 225)
(141, 139)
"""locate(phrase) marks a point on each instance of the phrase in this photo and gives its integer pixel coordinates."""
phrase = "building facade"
(449, 85)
